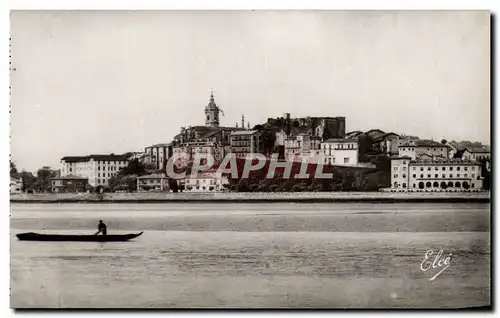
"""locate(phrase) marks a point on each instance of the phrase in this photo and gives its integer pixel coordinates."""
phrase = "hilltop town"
(373, 160)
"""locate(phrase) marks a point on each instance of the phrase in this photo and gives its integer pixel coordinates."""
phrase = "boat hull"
(75, 238)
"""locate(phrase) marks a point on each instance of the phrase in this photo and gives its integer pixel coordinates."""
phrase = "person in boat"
(101, 228)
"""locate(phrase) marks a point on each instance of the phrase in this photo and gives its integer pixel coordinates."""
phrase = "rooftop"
(444, 161)
(69, 177)
(478, 150)
(159, 145)
(423, 143)
(244, 132)
(399, 157)
(334, 140)
(111, 157)
(153, 176)
(386, 135)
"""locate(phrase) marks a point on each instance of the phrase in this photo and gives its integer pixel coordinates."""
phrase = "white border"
(189, 4)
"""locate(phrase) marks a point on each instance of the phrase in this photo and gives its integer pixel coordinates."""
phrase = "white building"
(158, 155)
(152, 182)
(207, 181)
(476, 154)
(408, 174)
(184, 153)
(338, 151)
(416, 148)
(97, 168)
(16, 185)
(301, 145)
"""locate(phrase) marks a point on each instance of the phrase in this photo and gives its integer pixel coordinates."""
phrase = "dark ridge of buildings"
(111, 157)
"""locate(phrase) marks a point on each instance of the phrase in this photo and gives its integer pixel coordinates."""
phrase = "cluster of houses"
(415, 162)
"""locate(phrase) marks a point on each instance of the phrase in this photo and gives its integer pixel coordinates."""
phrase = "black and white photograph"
(250, 159)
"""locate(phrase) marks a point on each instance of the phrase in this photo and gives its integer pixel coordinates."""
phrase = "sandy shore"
(253, 197)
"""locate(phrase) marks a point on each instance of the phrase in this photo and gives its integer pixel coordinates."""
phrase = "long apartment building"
(424, 165)
(98, 169)
(409, 174)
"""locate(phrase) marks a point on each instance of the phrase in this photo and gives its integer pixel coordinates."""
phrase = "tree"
(134, 167)
(13, 171)
(299, 187)
(242, 186)
(263, 186)
(287, 186)
(89, 188)
(123, 182)
(43, 179)
(365, 147)
(28, 180)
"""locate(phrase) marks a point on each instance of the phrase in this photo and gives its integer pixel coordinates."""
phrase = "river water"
(279, 255)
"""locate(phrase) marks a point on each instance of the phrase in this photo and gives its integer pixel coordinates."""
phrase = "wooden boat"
(76, 238)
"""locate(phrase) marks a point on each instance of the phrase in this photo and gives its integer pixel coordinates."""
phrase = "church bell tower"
(212, 112)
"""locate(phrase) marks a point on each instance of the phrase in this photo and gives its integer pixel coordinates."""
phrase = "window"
(98, 174)
(414, 175)
(458, 168)
(404, 162)
(404, 185)
(414, 168)
(444, 176)
(414, 185)
(465, 168)
(436, 176)
(444, 168)
(473, 168)
(421, 168)
(473, 175)
(421, 175)
(465, 175)
(404, 175)
(436, 168)
(346, 160)
(428, 176)
(458, 175)
(451, 168)
(395, 176)
(451, 176)
(428, 168)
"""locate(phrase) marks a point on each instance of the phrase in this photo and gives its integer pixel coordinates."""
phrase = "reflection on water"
(209, 258)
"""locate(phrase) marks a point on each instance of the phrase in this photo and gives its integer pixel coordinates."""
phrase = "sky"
(96, 82)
